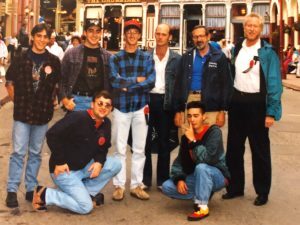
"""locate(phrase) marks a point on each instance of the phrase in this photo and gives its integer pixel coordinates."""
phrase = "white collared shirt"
(55, 49)
(247, 82)
(160, 68)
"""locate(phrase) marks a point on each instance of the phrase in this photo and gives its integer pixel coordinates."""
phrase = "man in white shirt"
(54, 48)
(161, 112)
(255, 105)
(3, 58)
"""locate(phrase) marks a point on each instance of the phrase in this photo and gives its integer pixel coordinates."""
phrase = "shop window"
(170, 14)
(264, 11)
(93, 13)
(215, 16)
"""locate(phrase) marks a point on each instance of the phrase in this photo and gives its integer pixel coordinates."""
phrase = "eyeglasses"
(196, 37)
(132, 33)
(105, 105)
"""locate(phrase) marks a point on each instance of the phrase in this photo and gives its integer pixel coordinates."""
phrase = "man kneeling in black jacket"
(78, 164)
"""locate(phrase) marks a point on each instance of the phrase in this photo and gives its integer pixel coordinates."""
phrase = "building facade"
(222, 17)
(18, 13)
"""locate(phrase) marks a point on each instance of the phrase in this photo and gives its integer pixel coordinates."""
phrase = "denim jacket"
(71, 67)
(171, 72)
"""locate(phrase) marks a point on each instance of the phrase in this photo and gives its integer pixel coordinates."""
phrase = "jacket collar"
(212, 50)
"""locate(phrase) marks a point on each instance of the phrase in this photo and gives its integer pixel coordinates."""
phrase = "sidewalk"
(292, 82)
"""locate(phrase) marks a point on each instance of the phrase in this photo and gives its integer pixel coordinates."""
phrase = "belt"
(246, 93)
(195, 92)
(83, 93)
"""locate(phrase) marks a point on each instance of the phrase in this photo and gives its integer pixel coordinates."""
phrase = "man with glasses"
(79, 165)
(30, 81)
(132, 77)
(205, 76)
(84, 70)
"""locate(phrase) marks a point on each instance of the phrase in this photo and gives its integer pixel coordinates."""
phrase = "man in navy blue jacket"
(205, 76)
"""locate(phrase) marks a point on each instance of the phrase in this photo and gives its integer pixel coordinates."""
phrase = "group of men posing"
(193, 91)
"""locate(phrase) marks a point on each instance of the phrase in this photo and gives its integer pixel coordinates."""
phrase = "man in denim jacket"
(84, 70)
(167, 64)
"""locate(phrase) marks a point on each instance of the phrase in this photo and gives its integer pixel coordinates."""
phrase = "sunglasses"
(105, 105)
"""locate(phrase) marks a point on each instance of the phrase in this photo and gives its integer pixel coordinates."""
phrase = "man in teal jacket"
(255, 105)
(199, 169)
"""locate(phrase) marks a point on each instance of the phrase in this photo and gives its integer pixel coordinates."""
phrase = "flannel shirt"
(34, 108)
(124, 72)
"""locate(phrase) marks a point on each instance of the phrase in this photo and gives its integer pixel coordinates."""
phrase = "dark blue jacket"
(216, 81)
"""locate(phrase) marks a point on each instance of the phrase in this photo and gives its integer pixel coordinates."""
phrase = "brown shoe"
(37, 203)
(139, 193)
(118, 194)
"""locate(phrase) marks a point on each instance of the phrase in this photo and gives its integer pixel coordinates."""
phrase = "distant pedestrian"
(3, 58)
(54, 48)
(12, 46)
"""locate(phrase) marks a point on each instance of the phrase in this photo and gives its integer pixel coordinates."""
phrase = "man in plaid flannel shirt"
(132, 77)
(31, 83)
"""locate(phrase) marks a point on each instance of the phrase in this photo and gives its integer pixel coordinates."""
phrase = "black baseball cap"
(92, 22)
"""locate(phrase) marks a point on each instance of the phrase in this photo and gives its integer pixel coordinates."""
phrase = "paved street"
(283, 206)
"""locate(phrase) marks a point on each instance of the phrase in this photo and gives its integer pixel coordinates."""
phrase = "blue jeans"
(25, 137)
(205, 180)
(82, 102)
(76, 187)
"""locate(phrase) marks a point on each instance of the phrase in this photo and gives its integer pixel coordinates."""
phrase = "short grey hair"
(254, 15)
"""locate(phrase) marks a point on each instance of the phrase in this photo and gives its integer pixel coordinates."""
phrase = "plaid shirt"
(124, 72)
(33, 107)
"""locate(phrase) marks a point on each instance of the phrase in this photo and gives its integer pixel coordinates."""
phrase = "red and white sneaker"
(198, 214)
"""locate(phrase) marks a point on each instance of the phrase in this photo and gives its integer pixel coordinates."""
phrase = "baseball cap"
(92, 22)
(132, 24)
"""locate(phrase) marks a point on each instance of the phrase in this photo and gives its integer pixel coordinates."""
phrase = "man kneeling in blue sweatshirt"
(78, 164)
(199, 169)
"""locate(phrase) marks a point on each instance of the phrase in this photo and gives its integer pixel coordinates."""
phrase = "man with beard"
(204, 76)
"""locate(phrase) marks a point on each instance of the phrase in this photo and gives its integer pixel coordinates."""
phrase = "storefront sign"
(110, 1)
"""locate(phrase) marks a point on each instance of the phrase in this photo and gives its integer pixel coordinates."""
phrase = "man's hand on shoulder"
(95, 169)
(182, 187)
(178, 119)
(59, 169)
(220, 120)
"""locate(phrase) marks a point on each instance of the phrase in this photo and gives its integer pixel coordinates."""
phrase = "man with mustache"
(205, 76)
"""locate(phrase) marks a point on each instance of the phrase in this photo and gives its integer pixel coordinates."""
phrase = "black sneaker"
(98, 199)
(12, 200)
(29, 196)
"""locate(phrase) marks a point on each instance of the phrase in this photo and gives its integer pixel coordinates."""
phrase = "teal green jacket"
(270, 66)
(209, 150)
